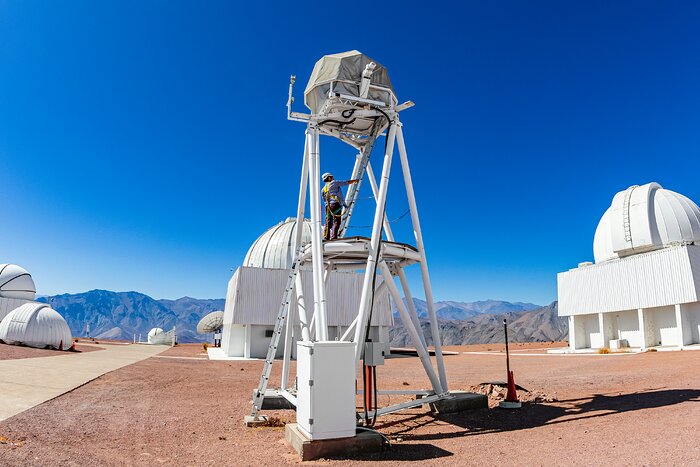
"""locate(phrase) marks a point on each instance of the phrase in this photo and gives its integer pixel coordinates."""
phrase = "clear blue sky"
(144, 144)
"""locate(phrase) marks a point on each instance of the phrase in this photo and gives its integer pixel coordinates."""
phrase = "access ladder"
(279, 326)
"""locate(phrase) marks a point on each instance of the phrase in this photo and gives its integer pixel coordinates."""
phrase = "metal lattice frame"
(325, 257)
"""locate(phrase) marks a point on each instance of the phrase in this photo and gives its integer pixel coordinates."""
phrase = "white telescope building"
(254, 291)
(644, 288)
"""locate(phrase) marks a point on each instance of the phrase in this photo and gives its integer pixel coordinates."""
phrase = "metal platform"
(351, 253)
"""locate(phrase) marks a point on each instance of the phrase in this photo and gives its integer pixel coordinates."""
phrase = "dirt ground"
(631, 409)
(11, 352)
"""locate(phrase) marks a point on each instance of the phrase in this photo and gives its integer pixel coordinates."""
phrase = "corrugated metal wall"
(9, 304)
(254, 296)
(36, 325)
(659, 278)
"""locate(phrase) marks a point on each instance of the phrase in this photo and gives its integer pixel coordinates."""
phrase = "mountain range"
(125, 315)
(464, 310)
(538, 325)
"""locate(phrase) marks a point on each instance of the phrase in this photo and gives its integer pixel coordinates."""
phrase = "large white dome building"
(16, 288)
(36, 325)
(645, 218)
(644, 288)
(16, 282)
(255, 293)
(273, 249)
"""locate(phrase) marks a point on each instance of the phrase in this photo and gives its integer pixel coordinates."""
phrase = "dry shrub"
(205, 346)
(272, 422)
(13, 443)
(604, 350)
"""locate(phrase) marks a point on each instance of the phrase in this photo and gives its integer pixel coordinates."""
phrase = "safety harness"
(328, 196)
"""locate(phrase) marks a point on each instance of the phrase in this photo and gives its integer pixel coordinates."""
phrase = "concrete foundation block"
(364, 442)
(460, 401)
(251, 421)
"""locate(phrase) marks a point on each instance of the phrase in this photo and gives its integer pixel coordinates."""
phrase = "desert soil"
(636, 409)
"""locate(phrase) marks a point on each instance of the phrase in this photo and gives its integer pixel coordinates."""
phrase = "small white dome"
(36, 325)
(158, 336)
(645, 218)
(273, 249)
(16, 282)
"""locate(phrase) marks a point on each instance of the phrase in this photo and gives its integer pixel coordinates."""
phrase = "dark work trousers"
(334, 213)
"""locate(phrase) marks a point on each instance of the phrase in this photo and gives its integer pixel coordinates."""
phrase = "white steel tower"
(351, 98)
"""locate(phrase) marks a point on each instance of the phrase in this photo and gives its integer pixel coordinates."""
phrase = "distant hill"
(464, 310)
(539, 325)
(120, 315)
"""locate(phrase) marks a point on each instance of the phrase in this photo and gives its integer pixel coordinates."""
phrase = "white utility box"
(326, 389)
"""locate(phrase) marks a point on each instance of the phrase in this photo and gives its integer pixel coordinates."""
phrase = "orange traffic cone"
(511, 401)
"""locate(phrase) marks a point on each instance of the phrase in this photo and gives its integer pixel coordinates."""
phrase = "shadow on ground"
(531, 415)
(402, 452)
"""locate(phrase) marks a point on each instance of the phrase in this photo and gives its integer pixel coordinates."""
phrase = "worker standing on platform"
(333, 197)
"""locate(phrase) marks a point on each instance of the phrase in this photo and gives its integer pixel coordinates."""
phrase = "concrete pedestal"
(460, 401)
(362, 443)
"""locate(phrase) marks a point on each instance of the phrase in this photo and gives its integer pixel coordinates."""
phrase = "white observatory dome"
(153, 335)
(273, 249)
(16, 282)
(36, 325)
(645, 218)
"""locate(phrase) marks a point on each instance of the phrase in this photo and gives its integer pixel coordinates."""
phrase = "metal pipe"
(373, 252)
(411, 306)
(301, 203)
(301, 307)
(400, 272)
(322, 319)
(350, 328)
(296, 243)
(373, 184)
(409, 404)
(316, 240)
(424, 262)
(354, 322)
(351, 196)
(408, 324)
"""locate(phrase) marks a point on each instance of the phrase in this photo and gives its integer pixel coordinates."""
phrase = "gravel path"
(632, 410)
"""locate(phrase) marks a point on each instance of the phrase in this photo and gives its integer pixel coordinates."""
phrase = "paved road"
(27, 382)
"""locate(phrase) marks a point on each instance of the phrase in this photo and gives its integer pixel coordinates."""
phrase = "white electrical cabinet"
(326, 389)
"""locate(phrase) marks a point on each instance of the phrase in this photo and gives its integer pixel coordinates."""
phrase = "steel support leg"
(408, 324)
(399, 271)
(299, 226)
(316, 239)
(424, 262)
(373, 254)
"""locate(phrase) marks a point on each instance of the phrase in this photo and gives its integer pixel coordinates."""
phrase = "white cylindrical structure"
(412, 331)
(296, 244)
(316, 238)
(36, 325)
(399, 272)
(373, 253)
(16, 282)
(424, 262)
